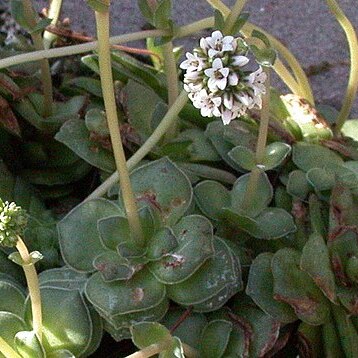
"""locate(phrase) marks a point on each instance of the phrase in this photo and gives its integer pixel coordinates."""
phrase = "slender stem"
(156, 348)
(44, 64)
(264, 121)
(353, 75)
(54, 14)
(7, 350)
(219, 5)
(162, 128)
(33, 287)
(171, 72)
(261, 145)
(152, 350)
(195, 27)
(232, 17)
(104, 58)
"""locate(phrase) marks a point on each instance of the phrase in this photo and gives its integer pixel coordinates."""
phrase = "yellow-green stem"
(7, 350)
(233, 15)
(171, 73)
(264, 120)
(54, 14)
(150, 143)
(353, 75)
(156, 348)
(44, 64)
(104, 58)
(33, 287)
(261, 144)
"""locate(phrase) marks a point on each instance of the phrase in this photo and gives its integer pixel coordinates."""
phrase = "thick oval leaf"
(189, 330)
(297, 184)
(200, 148)
(161, 244)
(28, 344)
(140, 293)
(75, 135)
(295, 287)
(211, 286)
(78, 235)
(112, 267)
(215, 338)
(264, 329)
(195, 245)
(150, 185)
(316, 262)
(10, 324)
(119, 325)
(275, 154)
(12, 297)
(261, 199)
(66, 320)
(307, 156)
(211, 197)
(260, 289)
(244, 157)
(275, 223)
(321, 179)
(146, 333)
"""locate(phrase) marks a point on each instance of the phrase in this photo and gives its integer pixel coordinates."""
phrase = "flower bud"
(13, 221)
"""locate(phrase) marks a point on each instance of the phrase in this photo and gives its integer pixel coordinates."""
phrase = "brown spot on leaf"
(138, 295)
(302, 306)
(245, 326)
(177, 202)
(338, 270)
(8, 119)
(150, 197)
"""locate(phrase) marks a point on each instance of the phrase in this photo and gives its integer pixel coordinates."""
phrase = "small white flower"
(218, 75)
(240, 61)
(244, 98)
(228, 115)
(256, 81)
(217, 44)
(207, 103)
(192, 63)
(193, 87)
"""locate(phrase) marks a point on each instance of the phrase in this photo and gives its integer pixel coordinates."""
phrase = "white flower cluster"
(216, 81)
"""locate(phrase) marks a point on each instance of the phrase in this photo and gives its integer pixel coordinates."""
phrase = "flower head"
(13, 221)
(216, 80)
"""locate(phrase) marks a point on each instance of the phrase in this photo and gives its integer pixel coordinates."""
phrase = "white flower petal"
(233, 79)
(217, 35)
(221, 84)
(224, 71)
(240, 61)
(217, 64)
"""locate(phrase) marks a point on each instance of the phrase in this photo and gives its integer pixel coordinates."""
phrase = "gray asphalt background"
(306, 27)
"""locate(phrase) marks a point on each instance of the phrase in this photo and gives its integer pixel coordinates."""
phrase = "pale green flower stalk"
(104, 57)
(261, 144)
(353, 76)
(54, 14)
(44, 64)
(7, 350)
(13, 221)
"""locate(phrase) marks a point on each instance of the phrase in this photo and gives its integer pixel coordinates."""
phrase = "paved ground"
(305, 26)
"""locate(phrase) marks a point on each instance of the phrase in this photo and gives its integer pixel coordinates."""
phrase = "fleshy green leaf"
(146, 333)
(140, 293)
(260, 289)
(78, 236)
(295, 287)
(215, 338)
(28, 344)
(75, 135)
(211, 197)
(195, 245)
(316, 262)
(307, 156)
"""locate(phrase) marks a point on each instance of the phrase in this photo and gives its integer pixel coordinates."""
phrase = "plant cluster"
(182, 204)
